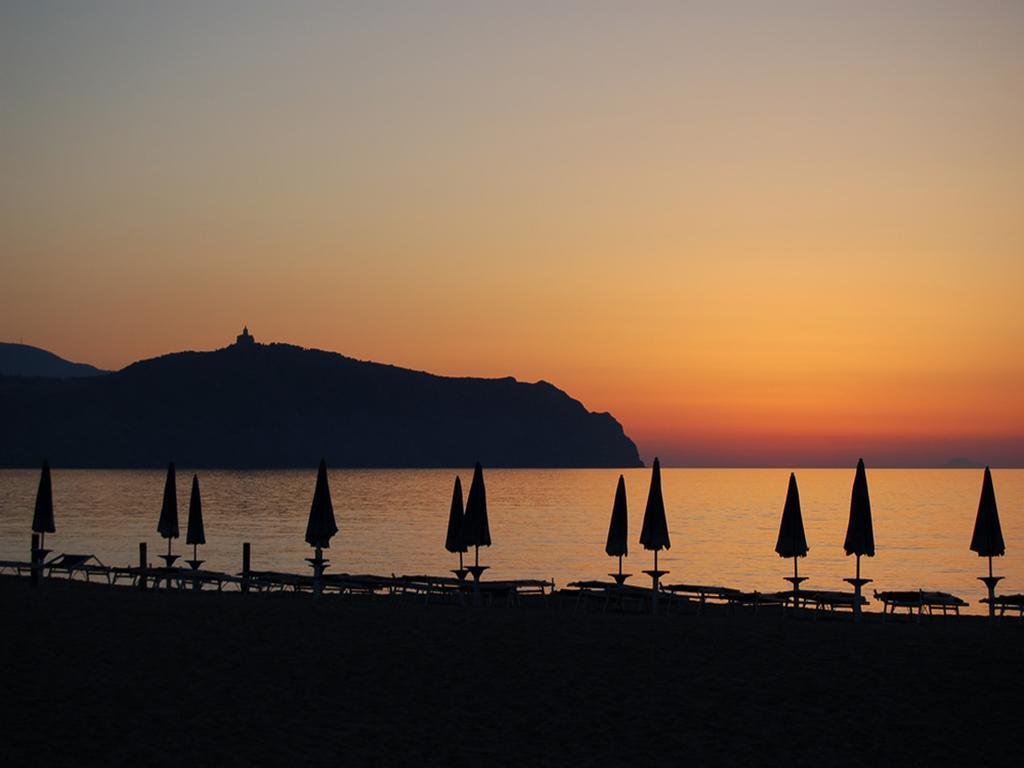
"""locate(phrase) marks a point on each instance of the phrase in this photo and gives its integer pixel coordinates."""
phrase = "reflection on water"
(544, 523)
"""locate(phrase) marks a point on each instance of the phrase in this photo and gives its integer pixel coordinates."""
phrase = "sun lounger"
(127, 572)
(276, 581)
(362, 584)
(203, 578)
(1004, 603)
(87, 565)
(513, 590)
(608, 592)
(18, 567)
(698, 594)
(921, 601)
(756, 600)
(825, 601)
(448, 588)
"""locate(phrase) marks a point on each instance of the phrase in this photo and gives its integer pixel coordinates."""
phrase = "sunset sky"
(765, 233)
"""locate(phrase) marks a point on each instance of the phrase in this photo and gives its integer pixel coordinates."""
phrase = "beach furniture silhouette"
(987, 539)
(654, 532)
(919, 601)
(167, 526)
(860, 535)
(1000, 604)
(453, 541)
(195, 533)
(792, 542)
(42, 521)
(42, 516)
(617, 544)
(321, 526)
(699, 595)
(608, 593)
(476, 530)
(71, 564)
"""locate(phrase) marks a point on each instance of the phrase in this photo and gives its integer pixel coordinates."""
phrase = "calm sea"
(544, 523)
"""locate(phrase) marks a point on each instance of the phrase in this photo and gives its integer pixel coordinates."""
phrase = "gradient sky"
(775, 233)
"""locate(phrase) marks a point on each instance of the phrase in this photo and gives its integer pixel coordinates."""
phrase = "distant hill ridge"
(26, 360)
(255, 405)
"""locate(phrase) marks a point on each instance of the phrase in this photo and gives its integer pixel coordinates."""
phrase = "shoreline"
(109, 675)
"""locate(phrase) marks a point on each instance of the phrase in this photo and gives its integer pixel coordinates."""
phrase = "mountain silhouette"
(26, 360)
(255, 405)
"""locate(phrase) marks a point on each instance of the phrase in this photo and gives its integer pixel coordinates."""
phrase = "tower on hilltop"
(245, 339)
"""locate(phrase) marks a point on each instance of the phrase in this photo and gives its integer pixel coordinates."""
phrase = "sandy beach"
(113, 676)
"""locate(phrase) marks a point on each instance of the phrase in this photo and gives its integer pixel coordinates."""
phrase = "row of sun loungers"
(698, 596)
(510, 592)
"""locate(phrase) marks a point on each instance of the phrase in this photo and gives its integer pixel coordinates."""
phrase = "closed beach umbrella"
(453, 541)
(792, 542)
(476, 531)
(618, 528)
(987, 540)
(42, 516)
(860, 535)
(195, 534)
(321, 525)
(654, 532)
(168, 525)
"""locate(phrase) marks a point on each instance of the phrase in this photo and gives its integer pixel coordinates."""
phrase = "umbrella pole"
(620, 568)
(318, 561)
(460, 561)
(654, 586)
(991, 584)
(796, 584)
(476, 575)
(856, 592)
(195, 551)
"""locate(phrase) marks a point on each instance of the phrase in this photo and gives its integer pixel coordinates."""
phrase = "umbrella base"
(796, 581)
(656, 574)
(620, 578)
(194, 564)
(460, 573)
(477, 571)
(858, 583)
(990, 581)
(169, 560)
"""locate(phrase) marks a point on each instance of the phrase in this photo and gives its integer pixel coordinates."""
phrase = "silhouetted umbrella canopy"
(453, 541)
(42, 517)
(321, 526)
(168, 525)
(475, 530)
(654, 533)
(987, 540)
(792, 541)
(860, 536)
(618, 532)
(195, 533)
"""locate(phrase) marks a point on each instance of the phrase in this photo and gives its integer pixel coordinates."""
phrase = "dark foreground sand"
(117, 677)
